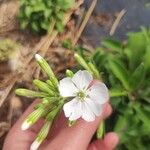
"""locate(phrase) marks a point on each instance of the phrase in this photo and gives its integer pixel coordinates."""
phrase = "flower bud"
(94, 71)
(41, 136)
(32, 118)
(69, 73)
(44, 65)
(30, 93)
(49, 82)
(71, 123)
(82, 62)
(43, 86)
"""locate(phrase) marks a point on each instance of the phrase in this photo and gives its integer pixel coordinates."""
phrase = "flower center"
(81, 95)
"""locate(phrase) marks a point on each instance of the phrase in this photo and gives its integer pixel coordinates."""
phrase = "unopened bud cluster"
(50, 105)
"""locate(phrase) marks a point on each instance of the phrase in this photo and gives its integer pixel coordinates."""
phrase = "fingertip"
(107, 110)
(111, 140)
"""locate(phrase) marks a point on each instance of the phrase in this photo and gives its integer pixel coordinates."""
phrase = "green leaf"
(118, 92)
(28, 11)
(136, 41)
(120, 72)
(128, 52)
(60, 15)
(137, 77)
(39, 7)
(113, 45)
(59, 26)
(147, 58)
(47, 13)
(145, 94)
(39, 14)
(65, 4)
(67, 44)
(23, 24)
(34, 26)
(146, 34)
(121, 124)
(143, 116)
(137, 45)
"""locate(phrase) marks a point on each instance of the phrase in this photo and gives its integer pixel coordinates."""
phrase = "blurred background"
(114, 35)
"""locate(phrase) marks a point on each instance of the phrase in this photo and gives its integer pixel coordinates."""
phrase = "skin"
(61, 137)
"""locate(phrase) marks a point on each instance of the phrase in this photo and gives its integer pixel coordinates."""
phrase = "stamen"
(81, 95)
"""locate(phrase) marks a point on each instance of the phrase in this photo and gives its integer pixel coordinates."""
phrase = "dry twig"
(4, 127)
(87, 16)
(117, 21)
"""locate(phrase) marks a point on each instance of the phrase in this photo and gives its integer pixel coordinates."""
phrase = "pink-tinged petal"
(82, 79)
(94, 106)
(98, 92)
(76, 112)
(69, 107)
(67, 88)
(87, 114)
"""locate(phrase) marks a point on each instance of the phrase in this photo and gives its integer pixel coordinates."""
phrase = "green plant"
(125, 68)
(56, 95)
(39, 15)
(8, 50)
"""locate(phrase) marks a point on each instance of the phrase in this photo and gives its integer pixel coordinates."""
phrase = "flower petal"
(87, 114)
(67, 87)
(76, 112)
(94, 106)
(69, 107)
(99, 93)
(82, 79)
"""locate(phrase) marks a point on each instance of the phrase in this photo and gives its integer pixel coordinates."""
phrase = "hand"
(61, 137)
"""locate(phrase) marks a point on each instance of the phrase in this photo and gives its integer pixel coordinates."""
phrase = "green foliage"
(125, 68)
(39, 15)
(8, 49)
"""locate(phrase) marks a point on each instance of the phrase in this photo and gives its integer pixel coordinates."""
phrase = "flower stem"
(55, 111)
(101, 130)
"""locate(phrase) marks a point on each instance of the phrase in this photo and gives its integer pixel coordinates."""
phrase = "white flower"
(87, 100)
